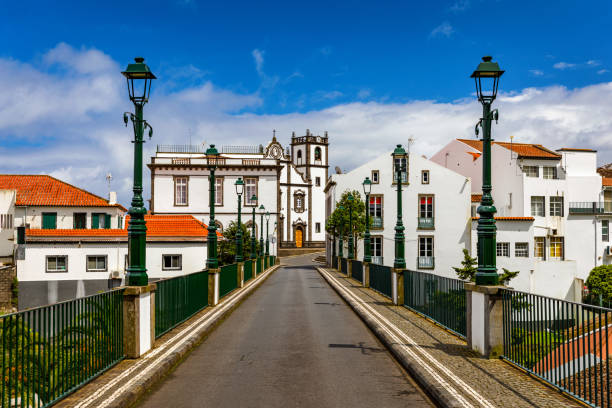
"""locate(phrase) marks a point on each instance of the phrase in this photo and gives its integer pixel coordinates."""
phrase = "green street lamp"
(367, 189)
(261, 241)
(399, 161)
(212, 156)
(267, 233)
(334, 239)
(340, 243)
(139, 78)
(253, 238)
(486, 77)
(351, 254)
(239, 191)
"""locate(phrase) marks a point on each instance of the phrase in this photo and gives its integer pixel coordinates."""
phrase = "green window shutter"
(94, 221)
(49, 221)
(107, 221)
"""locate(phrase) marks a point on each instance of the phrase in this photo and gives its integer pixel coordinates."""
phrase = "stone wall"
(7, 273)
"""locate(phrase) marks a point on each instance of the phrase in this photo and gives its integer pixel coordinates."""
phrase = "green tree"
(340, 217)
(599, 283)
(468, 270)
(227, 246)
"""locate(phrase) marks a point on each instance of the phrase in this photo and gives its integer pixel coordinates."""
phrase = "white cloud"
(364, 93)
(460, 5)
(55, 127)
(443, 30)
(536, 72)
(258, 56)
(593, 63)
(602, 71)
(564, 65)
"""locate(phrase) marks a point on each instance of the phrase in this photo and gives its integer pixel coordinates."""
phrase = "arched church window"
(317, 153)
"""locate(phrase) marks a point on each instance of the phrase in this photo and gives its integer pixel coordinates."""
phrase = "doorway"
(299, 234)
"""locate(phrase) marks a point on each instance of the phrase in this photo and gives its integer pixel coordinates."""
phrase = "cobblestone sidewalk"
(497, 382)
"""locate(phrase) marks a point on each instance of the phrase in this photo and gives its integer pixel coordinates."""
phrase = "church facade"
(287, 180)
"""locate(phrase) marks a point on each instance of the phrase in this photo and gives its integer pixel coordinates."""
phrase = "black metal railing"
(564, 343)
(180, 148)
(439, 298)
(380, 279)
(343, 265)
(357, 270)
(335, 262)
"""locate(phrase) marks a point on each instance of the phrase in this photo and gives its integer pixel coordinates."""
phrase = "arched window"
(298, 201)
(299, 157)
(318, 153)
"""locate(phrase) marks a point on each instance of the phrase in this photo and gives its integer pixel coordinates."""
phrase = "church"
(288, 182)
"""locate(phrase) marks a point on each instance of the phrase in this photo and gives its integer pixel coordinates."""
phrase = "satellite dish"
(338, 170)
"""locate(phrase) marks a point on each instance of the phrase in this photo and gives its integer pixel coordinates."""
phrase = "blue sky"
(236, 70)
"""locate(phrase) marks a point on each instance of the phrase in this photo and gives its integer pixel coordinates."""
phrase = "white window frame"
(426, 246)
(539, 245)
(426, 210)
(425, 177)
(605, 237)
(555, 204)
(376, 245)
(503, 249)
(181, 185)
(251, 185)
(521, 249)
(219, 181)
(549, 172)
(48, 257)
(172, 268)
(542, 202)
(96, 269)
(531, 171)
(553, 242)
(375, 176)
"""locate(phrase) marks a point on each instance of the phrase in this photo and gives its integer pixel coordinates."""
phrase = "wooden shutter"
(107, 221)
(94, 221)
(49, 221)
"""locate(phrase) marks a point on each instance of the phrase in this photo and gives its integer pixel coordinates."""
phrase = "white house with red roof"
(549, 223)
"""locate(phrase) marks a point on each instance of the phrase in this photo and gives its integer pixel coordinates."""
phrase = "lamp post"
(139, 78)
(253, 238)
(211, 160)
(341, 244)
(367, 189)
(267, 233)
(261, 241)
(333, 239)
(399, 161)
(239, 191)
(487, 73)
(351, 250)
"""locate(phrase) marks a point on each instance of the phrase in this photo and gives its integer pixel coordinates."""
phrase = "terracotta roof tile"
(524, 150)
(476, 198)
(45, 190)
(510, 218)
(571, 149)
(606, 181)
(157, 226)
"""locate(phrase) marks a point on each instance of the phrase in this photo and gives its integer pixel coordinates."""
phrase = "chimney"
(112, 197)
(307, 132)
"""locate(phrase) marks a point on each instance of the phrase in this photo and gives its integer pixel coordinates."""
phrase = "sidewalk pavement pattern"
(441, 361)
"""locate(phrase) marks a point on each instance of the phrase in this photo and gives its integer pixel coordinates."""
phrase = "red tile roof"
(524, 150)
(44, 190)
(510, 218)
(571, 149)
(157, 226)
(476, 198)
(606, 181)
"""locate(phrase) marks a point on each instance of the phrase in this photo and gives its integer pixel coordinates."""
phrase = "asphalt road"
(292, 343)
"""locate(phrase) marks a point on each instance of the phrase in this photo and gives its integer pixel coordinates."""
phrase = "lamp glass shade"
(239, 186)
(367, 186)
(486, 78)
(139, 78)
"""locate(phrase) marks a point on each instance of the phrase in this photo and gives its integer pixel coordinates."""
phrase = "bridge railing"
(344, 265)
(228, 279)
(564, 343)
(357, 270)
(50, 351)
(380, 279)
(179, 298)
(439, 298)
(248, 270)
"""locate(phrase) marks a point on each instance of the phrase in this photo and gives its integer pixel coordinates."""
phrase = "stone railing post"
(485, 319)
(349, 268)
(240, 271)
(213, 286)
(366, 274)
(397, 286)
(339, 269)
(138, 319)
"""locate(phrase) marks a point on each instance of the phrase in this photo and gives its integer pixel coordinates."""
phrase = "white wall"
(33, 215)
(7, 209)
(454, 156)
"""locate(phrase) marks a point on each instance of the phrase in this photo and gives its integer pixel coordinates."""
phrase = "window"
(299, 157)
(503, 249)
(6, 221)
(556, 247)
(539, 247)
(298, 203)
(375, 176)
(318, 227)
(376, 245)
(426, 246)
(317, 153)
(375, 209)
(531, 171)
(79, 220)
(250, 189)
(549, 172)
(426, 207)
(425, 177)
(605, 230)
(96, 263)
(318, 181)
(537, 206)
(49, 220)
(172, 262)
(402, 162)
(521, 250)
(100, 220)
(57, 263)
(181, 191)
(120, 221)
(219, 191)
(556, 206)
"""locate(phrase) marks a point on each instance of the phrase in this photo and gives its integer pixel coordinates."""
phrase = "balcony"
(426, 223)
(377, 222)
(378, 260)
(590, 207)
(425, 262)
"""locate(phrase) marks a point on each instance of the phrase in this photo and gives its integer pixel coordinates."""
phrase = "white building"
(436, 212)
(288, 182)
(552, 225)
(7, 226)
